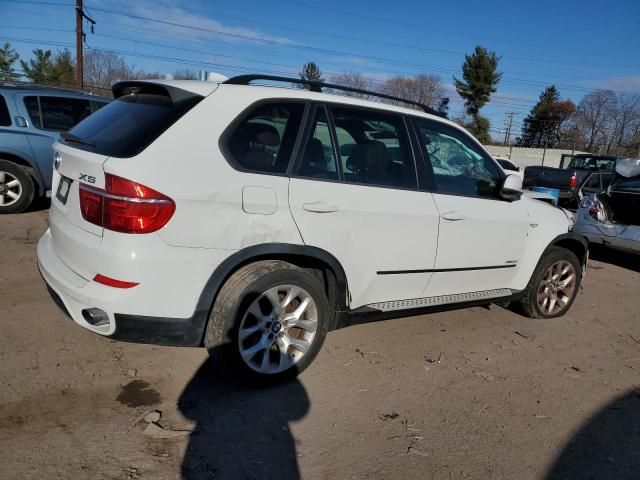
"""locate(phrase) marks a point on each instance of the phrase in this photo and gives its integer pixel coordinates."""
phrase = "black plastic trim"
(440, 270)
(190, 331)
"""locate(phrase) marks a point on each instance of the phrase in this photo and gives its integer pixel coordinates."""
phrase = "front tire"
(17, 188)
(268, 322)
(553, 286)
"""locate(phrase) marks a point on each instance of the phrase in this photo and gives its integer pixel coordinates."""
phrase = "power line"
(271, 41)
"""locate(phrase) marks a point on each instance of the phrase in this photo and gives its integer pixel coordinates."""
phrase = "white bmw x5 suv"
(253, 219)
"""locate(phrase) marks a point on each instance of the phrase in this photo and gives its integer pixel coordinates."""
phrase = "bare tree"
(595, 111)
(102, 69)
(185, 74)
(354, 80)
(425, 89)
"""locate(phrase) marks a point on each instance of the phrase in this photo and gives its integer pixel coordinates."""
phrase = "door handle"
(320, 207)
(452, 216)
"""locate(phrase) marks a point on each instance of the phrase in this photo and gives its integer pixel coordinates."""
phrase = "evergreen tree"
(8, 57)
(310, 71)
(543, 124)
(46, 69)
(63, 71)
(443, 107)
(39, 69)
(480, 75)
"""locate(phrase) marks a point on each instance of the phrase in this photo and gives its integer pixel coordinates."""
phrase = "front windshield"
(592, 163)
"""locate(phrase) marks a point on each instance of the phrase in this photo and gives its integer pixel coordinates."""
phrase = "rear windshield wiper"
(75, 139)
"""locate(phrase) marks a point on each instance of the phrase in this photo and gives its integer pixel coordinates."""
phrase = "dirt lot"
(475, 393)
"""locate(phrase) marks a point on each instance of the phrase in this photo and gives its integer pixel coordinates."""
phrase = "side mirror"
(20, 121)
(511, 188)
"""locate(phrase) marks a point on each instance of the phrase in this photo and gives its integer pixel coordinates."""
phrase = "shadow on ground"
(607, 447)
(241, 432)
(615, 257)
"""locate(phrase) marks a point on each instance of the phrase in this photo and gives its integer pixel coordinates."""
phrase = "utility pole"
(507, 135)
(79, 41)
(80, 36)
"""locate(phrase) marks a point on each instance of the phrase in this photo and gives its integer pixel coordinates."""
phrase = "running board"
(440, 300)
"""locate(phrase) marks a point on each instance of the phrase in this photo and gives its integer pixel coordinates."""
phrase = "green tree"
(544, 123)
(8, 57)
(443, 107)
(63, 71)
(47, 69)
(310, 71)
(480, 76)
(38, 69)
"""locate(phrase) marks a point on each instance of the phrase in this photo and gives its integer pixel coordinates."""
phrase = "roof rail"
(318, 86)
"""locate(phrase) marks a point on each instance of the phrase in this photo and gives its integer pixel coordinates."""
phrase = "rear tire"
(553, 286)
(17, 188)
(259, 327)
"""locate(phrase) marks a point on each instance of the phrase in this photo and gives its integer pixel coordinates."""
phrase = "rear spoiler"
(133, 87)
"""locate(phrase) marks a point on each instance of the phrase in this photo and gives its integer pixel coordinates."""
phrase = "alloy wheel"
(10, 189)
(557, 287)
(278, 329)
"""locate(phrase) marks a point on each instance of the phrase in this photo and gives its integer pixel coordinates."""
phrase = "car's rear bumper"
(75, 295)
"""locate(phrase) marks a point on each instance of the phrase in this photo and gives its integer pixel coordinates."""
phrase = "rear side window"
(128, 125)
(5, 116)
(263, 141)
(58, 114)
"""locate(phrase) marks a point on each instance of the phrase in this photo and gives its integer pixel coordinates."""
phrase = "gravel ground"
(474, 393)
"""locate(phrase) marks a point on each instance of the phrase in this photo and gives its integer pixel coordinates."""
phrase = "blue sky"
(577, 45)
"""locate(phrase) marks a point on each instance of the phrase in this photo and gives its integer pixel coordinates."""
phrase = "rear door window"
(374, 148)
(5, 116)
(58, 114)
(129, 124)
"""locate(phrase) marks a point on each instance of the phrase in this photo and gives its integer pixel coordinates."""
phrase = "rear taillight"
(573, 181)
(125, 206)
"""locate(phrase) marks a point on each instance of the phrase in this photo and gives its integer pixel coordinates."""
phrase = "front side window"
(459, 166)
(374, 148)
(57, 114)
(319, 159)
(263, 141)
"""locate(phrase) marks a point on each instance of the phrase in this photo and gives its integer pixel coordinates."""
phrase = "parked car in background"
(612, 217)
(31, 119)
(568, 181)
(234, 216)
(509, 167)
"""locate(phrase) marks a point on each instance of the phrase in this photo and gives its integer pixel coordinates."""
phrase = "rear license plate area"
(63, 190)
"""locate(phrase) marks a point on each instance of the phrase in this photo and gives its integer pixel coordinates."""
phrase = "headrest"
(372, 158)
(261, 133)
(315, 152)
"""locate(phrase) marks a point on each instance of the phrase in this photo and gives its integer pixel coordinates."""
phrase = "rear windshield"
(592, 163)
(128, 125)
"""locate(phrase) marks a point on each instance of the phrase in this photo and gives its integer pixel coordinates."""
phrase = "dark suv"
(31, 119)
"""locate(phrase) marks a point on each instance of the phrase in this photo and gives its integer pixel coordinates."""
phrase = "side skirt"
(422, 306)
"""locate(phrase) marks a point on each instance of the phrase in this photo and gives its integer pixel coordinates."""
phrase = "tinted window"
(5, 116)
(592, 163)
(459, 166)
(263, 141)
(128, 125)
(33, 109)
(374, 148)
(627, 185)
(319, 159)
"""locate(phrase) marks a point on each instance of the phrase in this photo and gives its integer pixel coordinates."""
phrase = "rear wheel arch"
(320, 263)
(28, 166)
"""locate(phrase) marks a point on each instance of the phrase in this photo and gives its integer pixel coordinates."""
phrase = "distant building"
(524, 156)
